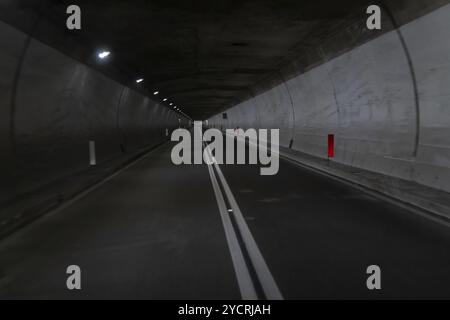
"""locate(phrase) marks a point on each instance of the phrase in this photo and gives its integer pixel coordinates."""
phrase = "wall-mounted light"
(165, 99)
(139, 80)
(156, 92)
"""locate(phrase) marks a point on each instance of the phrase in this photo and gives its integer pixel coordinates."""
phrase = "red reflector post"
(330, 145)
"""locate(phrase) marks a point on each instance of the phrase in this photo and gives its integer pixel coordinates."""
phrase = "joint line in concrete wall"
(413, 76)
(292, 107)
(12, 126)
(118, 128)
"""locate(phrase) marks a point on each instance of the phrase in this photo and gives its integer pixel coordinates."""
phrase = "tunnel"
(225, 150)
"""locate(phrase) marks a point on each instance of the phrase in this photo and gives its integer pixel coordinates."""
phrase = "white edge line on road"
(265, 277)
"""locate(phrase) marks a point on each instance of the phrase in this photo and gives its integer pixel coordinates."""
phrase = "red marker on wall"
(330, 146)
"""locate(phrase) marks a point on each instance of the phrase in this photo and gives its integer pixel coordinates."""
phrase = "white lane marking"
(244, 280)
(265, 277)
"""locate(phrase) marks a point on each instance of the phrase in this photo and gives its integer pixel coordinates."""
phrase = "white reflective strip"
(92, 155)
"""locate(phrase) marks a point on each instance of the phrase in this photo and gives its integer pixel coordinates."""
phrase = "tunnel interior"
(91, 112)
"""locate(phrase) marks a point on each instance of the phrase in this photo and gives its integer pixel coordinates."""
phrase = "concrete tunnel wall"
(389, 114)
(52, 106)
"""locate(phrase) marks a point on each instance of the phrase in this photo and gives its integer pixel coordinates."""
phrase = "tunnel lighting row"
(105, 54)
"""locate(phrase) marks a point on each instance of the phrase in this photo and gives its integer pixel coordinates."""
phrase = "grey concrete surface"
(13, 44)
(209, 55)
(53, 105)
(388, 112)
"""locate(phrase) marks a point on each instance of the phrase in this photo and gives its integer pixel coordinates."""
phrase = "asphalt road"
(155, 232)
(318, 237)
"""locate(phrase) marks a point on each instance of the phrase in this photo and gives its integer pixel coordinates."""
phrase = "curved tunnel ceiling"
(205, 55)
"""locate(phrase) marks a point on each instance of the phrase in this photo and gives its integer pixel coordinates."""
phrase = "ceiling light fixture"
(104, 54)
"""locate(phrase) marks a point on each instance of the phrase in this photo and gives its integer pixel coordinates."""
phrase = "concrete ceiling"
(205, 54)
